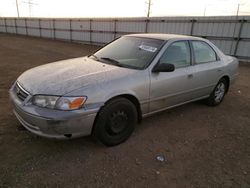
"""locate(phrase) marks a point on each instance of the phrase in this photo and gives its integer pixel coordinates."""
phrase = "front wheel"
(217, 96)
(115, 122)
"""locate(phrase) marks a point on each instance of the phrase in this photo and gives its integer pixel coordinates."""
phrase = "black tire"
(115, 122)
(217, 96)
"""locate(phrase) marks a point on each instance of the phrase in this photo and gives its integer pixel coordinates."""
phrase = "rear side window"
(203, 53)
(178, 53)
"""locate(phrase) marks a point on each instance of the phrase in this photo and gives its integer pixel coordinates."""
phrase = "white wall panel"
(103, 26)
(33, 32)
(228, 29)
(1, 21)
(221, 29)
(46, 23)
(21, 31)
(80, 25)
(62, 35)
(245, 30)
(154, 27)
(62, 24)
(2, 29)
(224, 45)
(81, 36)
(32, 23)
(200, 29)
(186, 28)
(128, 26)
(2, 25)
(10, 22)
(169, 27)
(243, 49)
(102, 37)
(47, 33)
(11, 29)
(20, 22)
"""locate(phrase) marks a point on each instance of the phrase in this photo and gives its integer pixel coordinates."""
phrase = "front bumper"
(51, 123)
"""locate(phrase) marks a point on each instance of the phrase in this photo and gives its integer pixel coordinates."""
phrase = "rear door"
(206, 70)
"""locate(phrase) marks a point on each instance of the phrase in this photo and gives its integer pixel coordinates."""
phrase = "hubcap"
(219, 92)
(117, 122)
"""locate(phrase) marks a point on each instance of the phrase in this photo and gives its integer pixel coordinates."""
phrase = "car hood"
(62, 77)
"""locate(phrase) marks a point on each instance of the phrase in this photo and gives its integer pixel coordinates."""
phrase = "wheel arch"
(227, 78)
(131, 98)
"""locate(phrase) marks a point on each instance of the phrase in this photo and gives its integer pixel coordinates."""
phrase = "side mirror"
(164, 67)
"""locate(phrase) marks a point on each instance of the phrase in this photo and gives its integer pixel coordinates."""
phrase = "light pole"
(238, 9)
(149, 7)
(237, 14)
(17, 9)
(205, 9)
(204, 13)
(30, 3)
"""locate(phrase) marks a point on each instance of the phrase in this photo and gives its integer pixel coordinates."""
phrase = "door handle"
(190, 76)
(219, 70)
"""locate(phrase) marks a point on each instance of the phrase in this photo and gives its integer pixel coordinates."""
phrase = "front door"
(172, 88)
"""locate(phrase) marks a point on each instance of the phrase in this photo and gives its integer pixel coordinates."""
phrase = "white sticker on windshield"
(148, 48)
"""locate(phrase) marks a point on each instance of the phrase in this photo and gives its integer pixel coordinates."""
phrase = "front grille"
(20, 92)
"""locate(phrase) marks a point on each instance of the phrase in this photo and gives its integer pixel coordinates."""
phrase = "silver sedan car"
(105, 94)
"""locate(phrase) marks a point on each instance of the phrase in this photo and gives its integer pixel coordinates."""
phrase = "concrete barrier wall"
(230, 33)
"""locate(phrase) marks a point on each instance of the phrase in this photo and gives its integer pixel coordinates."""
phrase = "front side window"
(130, 52)
(178, 54)
(203, 53)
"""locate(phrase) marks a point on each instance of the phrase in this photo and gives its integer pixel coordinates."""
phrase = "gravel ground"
(202, 146)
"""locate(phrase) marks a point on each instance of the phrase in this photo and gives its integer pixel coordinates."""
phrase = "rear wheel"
(115, 122)
(217, 96)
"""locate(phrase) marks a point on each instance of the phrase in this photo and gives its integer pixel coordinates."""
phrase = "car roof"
(160, 36)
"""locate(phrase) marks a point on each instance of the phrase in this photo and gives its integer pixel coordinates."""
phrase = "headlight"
(60, 103)
(45, 101)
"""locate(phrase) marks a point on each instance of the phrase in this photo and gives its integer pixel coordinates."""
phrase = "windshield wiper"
(110, 60)
(113, 61)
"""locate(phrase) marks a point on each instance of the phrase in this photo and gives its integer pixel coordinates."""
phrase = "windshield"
(130, 52)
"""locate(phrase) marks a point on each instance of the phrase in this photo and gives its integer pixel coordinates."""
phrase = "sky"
(122, 8)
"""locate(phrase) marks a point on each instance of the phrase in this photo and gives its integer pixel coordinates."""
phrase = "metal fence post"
(146, 26)
(115, 28)
(5, 25)
(233, 38)
(239, 36)
(70, 29)
(90, 31)
(15, 25)
(54, 29)
(192, 26)
(39, 24)
(26, 29)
